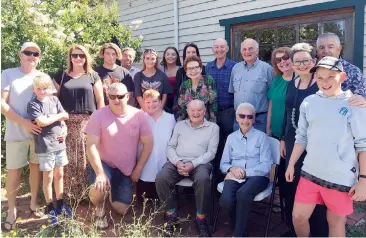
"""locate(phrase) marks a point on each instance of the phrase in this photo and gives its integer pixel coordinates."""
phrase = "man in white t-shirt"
(16, 92)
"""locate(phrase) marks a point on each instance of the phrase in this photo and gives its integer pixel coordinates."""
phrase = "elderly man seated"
(247, 162)
(192, 146)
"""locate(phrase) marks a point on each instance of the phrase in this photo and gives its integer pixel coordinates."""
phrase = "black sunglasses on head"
(113, 97)
(243, 116)
(30, 53)
(75, 56)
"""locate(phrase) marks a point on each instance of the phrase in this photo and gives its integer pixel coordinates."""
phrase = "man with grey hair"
(250, 81)
(128, 57)
(190, 150)
(328, 44)
(246, 161)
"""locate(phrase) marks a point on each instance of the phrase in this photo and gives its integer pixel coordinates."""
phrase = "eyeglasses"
(284, 57)
(120, 97)
(30, 53)
(75, 56)
(304, 62)
(243, 116)
(193, 68)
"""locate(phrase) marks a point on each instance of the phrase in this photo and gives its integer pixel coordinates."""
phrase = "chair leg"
(270, 210)
(216, 217)
(282, 207)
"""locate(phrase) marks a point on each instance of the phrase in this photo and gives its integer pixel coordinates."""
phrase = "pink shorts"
(339, 203)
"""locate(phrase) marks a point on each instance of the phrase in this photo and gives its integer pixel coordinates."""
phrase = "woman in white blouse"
(162, 125)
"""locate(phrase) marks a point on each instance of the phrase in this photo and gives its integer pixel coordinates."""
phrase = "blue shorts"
(49, 161)
(121, 185)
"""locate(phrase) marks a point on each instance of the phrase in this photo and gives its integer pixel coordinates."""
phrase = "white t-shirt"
(162, 130)
(20, 90)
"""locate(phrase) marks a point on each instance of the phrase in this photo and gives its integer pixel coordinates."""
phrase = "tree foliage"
(55, 25)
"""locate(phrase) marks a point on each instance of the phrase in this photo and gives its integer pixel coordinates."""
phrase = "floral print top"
(354, 80)
(206, 91)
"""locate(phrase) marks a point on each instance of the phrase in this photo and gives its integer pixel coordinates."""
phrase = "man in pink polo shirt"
(113, 135)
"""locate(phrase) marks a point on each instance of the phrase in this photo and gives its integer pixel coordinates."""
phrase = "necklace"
(293, 112)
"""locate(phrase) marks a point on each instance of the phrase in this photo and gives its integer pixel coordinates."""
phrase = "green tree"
(55, 25)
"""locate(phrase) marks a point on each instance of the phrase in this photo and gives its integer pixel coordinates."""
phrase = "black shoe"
(171, 226)
(202, 228)
(289, 233)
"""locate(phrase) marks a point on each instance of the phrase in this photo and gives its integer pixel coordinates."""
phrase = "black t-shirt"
(46, 141)
(159, 81)
(288, 131)
(77, 94)
(119, 73)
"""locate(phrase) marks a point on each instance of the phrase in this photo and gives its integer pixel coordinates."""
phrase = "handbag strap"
(62, 80)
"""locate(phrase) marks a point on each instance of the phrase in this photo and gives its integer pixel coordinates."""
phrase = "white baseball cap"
(28, 45)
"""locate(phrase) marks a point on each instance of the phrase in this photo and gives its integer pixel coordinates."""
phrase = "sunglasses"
(75, 56)
(149, 51)
(279, 59)
(113, 97)
(30, 53)
(243, 116)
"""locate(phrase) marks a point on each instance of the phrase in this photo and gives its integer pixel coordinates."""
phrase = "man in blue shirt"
(247, 162)
(220, 70)
(250, 81)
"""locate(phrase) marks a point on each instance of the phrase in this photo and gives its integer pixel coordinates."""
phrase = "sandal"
(37, 213)
(101, 222)
(10, 225)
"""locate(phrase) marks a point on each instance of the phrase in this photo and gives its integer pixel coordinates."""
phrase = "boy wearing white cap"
(16, 92)
(334, 136)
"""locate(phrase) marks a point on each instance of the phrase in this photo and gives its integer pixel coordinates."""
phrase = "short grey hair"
(116, 86)
(129, 49)
(302, 47)
(256, 45)
(197, 101)
(328, 35)
(245, 105)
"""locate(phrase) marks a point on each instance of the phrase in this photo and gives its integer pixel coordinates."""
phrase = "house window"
(288, 31)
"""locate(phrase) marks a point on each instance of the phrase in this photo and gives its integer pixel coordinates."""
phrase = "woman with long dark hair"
(170, 65)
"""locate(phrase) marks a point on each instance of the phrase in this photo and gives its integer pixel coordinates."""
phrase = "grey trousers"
(169, 176)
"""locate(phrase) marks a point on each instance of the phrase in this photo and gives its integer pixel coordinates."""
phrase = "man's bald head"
(249, 50)
(220, 48)
(117, 89)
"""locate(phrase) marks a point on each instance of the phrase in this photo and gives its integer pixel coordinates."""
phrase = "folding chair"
(269, 191)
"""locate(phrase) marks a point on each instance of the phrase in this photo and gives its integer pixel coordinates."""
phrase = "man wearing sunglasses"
(246, 161)
(16, 92)
(250, 81)
(113, 134)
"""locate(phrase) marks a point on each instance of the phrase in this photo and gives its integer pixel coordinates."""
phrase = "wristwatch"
(362, 176)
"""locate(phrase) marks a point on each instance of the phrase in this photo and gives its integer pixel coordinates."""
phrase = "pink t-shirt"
(119, 136)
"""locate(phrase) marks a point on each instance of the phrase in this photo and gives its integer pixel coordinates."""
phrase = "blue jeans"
(121, 185)
(259, 124)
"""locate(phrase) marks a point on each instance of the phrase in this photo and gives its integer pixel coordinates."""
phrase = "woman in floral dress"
(198, 86)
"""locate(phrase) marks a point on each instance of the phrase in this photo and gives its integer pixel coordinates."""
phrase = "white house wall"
(198, 20)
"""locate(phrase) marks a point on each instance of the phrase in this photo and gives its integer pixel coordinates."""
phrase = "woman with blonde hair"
(81, 93)
(151, 77)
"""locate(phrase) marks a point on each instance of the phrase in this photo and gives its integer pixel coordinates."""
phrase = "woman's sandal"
(10, 225)
(101, 222)
(37, 213)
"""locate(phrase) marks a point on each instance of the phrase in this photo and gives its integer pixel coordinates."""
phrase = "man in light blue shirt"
(247, 162)
(250, 81)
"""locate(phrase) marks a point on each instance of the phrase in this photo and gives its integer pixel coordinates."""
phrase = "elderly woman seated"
(192, 146)
(247, 162)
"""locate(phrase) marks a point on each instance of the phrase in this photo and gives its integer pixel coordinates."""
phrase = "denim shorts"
(49, 161)
(121, 185)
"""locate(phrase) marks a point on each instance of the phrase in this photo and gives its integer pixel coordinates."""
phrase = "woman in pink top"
(170, 65)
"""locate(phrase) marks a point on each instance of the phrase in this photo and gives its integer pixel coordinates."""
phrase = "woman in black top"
(81, 93)
(303, 59)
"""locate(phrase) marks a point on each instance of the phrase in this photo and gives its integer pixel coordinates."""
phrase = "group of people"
(102, 131)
